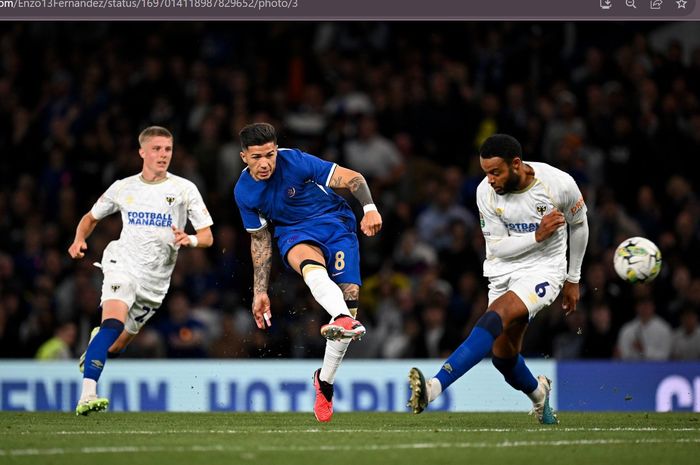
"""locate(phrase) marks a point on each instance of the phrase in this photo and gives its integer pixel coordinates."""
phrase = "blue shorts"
(338, 242)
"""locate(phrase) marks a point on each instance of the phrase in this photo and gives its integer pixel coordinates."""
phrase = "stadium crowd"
(406, 104)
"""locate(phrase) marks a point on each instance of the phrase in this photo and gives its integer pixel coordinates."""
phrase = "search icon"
(630, 3)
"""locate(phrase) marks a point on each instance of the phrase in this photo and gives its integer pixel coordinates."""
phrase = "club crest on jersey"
(115, 287)
(170, 199)
(541, 208)
(291, 192)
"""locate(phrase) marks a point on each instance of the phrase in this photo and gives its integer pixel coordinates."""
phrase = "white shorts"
(142, 303)
(536, 288)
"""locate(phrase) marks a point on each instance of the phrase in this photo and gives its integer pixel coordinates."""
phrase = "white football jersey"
(520, 213)
(146, 249)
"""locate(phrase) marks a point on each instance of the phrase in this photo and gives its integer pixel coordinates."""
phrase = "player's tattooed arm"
(261, 253)
(359, 188)
(344, 178)
(354, 181)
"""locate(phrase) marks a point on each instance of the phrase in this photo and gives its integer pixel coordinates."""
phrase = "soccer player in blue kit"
(315, 233)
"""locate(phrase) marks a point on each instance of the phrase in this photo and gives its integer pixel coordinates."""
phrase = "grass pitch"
(352, 438)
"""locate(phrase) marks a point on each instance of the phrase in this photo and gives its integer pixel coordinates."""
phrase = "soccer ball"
(637, 260)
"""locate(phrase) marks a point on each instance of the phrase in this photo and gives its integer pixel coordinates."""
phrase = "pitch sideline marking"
(441, 445)
(345, 431)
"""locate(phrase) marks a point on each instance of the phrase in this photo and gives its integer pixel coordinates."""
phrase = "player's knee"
(306, 266)
(320, 284)
(506, 314)
(491, 321)
(314, 274)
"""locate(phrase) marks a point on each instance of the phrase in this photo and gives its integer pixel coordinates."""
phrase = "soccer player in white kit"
(155, 206)
(524, 209)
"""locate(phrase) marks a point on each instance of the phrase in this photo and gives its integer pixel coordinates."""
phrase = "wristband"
(194, 242)
(370, 207)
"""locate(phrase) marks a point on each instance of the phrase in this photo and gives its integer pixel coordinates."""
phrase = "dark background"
(407, 104)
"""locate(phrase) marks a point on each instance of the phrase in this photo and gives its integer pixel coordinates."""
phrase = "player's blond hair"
(153, 131)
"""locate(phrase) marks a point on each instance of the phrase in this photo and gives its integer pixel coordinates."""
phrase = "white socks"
(89, 388)
(330, 297)
(434, 389)
(326, 292)
(537, 396)
(335, 351)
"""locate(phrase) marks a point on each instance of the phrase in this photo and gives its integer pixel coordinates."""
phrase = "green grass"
(352, 438)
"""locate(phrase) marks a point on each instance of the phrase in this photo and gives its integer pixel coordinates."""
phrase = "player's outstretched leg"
(323, 406)
(329, 295)
(545, 414)
(472, 350)
(468, 354)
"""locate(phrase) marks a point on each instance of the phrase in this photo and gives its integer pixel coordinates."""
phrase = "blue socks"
(96, 354)
(516, 373)
(472, 350)
(476, 347)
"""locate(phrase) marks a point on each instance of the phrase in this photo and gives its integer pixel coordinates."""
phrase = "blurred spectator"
(391, 316)
(687, 243)
(376, 157)
(569, 344)
(184, 336)
(648, 213)
(565, 123)
(11, 318)
(60, 346)
(686, 339)
(461, 254)
(413, 256)
(681, 293)
(433, 224)
(148, 344)
(599, 289)
(610, 224)
(647, 337)
(201, 280)
(600, 336)
(464, 298)
(230, 342)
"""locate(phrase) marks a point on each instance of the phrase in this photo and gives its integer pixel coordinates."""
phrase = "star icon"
(681, 3)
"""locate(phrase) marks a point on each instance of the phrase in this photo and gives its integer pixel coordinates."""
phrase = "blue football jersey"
(296, 196)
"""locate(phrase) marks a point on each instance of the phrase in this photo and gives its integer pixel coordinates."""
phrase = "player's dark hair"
(257, 134)
(501, 145)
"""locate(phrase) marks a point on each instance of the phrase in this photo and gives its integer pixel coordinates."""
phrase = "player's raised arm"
(82, 232)
(261, 253)
(344, 178)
